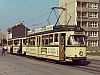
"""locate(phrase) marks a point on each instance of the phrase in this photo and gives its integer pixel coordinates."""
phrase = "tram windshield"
(77, 40)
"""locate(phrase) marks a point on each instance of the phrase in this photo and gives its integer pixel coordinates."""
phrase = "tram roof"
(60, 28)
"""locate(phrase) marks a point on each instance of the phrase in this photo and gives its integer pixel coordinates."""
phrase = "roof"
(20, 24)
(60, 28)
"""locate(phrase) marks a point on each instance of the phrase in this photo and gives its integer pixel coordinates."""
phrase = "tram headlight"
(81, 53)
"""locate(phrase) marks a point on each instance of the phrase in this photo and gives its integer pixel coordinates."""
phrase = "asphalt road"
(17, 65)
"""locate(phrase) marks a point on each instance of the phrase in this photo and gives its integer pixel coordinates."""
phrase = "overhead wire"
(36, 17)
(30, 20)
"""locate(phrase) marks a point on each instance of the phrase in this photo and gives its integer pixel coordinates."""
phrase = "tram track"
(88, 69)
(95, 69)
(97, 62)
(94, 60)
(91, 68)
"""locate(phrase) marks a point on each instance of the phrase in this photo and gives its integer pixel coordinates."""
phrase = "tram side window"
(29, 41)
(16, 42)
(9, 42)
(56, 39)
(46, 40)
(24, 41)
(69, 42)
(43, 40)
(33, 40)
(51, 39)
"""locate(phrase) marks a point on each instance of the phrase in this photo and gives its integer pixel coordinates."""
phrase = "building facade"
(19, 30)
(84, 13)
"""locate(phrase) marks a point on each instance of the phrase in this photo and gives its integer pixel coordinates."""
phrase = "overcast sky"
(29, 11)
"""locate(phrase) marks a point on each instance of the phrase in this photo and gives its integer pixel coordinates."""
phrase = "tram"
(60, 43)
(17, 46)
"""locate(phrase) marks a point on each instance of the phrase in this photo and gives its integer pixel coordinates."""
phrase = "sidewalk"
(93, 57)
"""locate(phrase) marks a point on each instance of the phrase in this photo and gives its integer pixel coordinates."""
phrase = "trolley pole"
(66, 14)
(81, 14)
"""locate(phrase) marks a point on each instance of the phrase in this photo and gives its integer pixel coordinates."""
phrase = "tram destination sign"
(79, 33)
(42, 29)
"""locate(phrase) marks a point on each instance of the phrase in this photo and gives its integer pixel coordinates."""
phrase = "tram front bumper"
(75, 58)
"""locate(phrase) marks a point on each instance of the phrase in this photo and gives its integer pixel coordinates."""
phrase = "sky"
(34, 13)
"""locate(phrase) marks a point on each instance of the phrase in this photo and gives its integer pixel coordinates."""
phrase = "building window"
(78, 4)
(93, 43)
(84, 24)
(78, 14)
(93, 5)
(84, 15)
(78, 23)
(82, 4)
(93, 15)
(86, 33)
(93, 24)
(94, 34)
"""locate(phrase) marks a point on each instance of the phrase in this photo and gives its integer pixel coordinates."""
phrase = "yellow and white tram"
(62, 43)
(17, 45)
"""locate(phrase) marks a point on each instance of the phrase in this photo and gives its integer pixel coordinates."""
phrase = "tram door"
(11, 48)
(62, 46)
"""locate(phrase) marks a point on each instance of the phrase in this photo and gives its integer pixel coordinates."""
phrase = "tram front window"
(76, 40)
